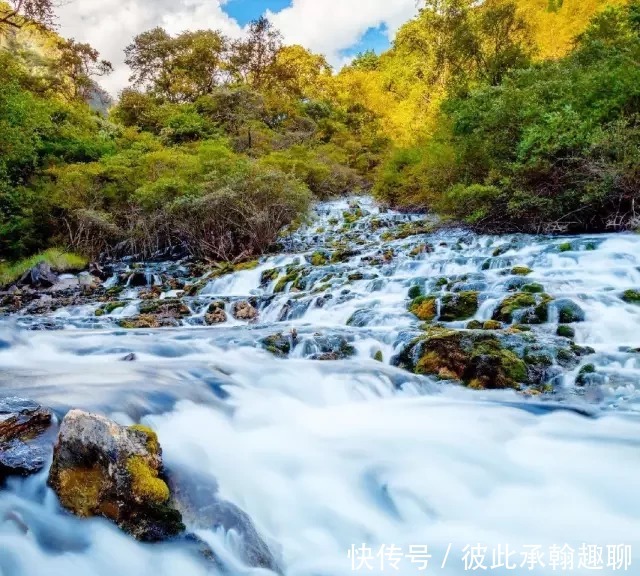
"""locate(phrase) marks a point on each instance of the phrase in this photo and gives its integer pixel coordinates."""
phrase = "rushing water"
(328, 455)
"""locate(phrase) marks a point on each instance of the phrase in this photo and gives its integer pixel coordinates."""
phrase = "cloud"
(326, 26)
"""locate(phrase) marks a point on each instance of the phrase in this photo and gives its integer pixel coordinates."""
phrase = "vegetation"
(515, 115)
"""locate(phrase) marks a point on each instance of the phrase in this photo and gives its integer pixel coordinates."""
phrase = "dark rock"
(196, 498)
(25, 445)
(569, 312)
(138, 279)
(130, 358)
(103, 469)
(40, 276)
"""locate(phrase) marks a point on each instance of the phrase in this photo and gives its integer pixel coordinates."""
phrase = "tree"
(16, 14)
(298, 72)
(178, 69)
(252, 57)
(77, 67)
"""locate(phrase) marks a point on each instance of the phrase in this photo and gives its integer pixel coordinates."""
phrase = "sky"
(339, 29)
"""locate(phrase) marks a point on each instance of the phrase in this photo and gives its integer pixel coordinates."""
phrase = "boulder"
(244, 311)
(215, 314)
(569, 312)
(197, 499)
(40, 276)
(25, 445)
(103, 469)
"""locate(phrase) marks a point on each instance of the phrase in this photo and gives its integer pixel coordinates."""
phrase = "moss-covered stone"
(475, 325)
(277, 344)
(378, 356)
(415, 292)
(424, 308)
(529, 308)
(569, 312)
(145, 484)
(521, 271)
(269, 276)
(631, 296)
(533, 288)
(492, 325)
(459, 306)
(584, 375)
(566, 331)
(565, 247)
(319, 259)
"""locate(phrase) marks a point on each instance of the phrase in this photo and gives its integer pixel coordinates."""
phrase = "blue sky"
(338, 29)
(243, 11)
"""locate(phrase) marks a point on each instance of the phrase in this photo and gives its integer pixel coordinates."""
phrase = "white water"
(326, 455)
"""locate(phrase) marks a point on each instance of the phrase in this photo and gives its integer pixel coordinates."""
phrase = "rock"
(40, 276)
(523, 307)
(169, 308)
(631, 296)
(215, 314)
(459, 306)
(148, 321)
(521, 271)
(278, 344)
(415, 292)
(25, 445)
(425, 308)
(332, 347)
(566, 331)
(103, 469)
(129, 358)
(196, 498)
(569, 312)
(244, 311)
(138, 279)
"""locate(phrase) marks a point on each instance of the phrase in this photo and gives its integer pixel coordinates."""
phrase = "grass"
(59, 260)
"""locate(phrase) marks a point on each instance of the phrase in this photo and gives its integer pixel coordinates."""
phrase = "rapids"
(324, 456)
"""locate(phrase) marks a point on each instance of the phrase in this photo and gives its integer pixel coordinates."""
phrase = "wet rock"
(40, 276)
(139, 279)
(524, 308)
(425, 308)
(569, 312)
(148, 321)
(278, 344)
(25, 445)
(215, 314)
(459, 306)
(332, 347)
(244, 310)
(196, 498)
(103, 469)
(361, 318)
(169, 308)
(566, 331)
(631, 296)
(129, 358)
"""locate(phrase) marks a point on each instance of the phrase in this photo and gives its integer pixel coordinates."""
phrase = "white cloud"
(325, 26)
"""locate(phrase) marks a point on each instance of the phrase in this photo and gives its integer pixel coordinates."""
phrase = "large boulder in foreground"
(103, 469)
(25, 444)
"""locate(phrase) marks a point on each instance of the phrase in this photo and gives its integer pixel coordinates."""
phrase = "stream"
(334, 460)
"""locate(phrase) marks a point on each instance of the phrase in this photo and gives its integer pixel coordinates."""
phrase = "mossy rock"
(319, 259)
(459, 306)
(565, 247)
(277, 344)
(631, 296)
(415, 292)
(475, 325)
(529, 308)
(566, 332)
(441, 282)
(291, 276)
(476, 358)
(110, 307)
(378, 356)
(533, 288)
(569, 312)
(173, 308)
(424, 308)
(102, 469)
(521, 271)
(147, 321)
(492, 325)
(269, 276)
(585, 374)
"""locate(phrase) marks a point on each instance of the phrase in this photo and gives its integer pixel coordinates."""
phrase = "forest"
(512, 115)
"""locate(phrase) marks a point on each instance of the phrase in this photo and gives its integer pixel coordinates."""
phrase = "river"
(337, 460)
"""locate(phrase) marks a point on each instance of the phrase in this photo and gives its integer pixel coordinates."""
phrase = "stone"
(569, 312)
(40, 276)
(215, 314)
(103, 469)
(244, 311)
(25, 445)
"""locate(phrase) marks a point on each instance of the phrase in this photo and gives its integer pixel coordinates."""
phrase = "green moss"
(459, 306)
(583, 375)
(415, 292)
(566, 331)
(521, 271)
(492, 325)
(565, 247)
(319, 259)
(378, 356)
(511, 304)
(145, 484)
(424, 308)
(631, 296)
(533, 288)
(290, 277)
(269, 275)
(474, 325)
(440, 282)
(250, 265)
(109, 308)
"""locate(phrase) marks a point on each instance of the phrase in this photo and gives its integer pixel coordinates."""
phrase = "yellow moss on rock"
(145, 482)
(153, 445)
(80, 490)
